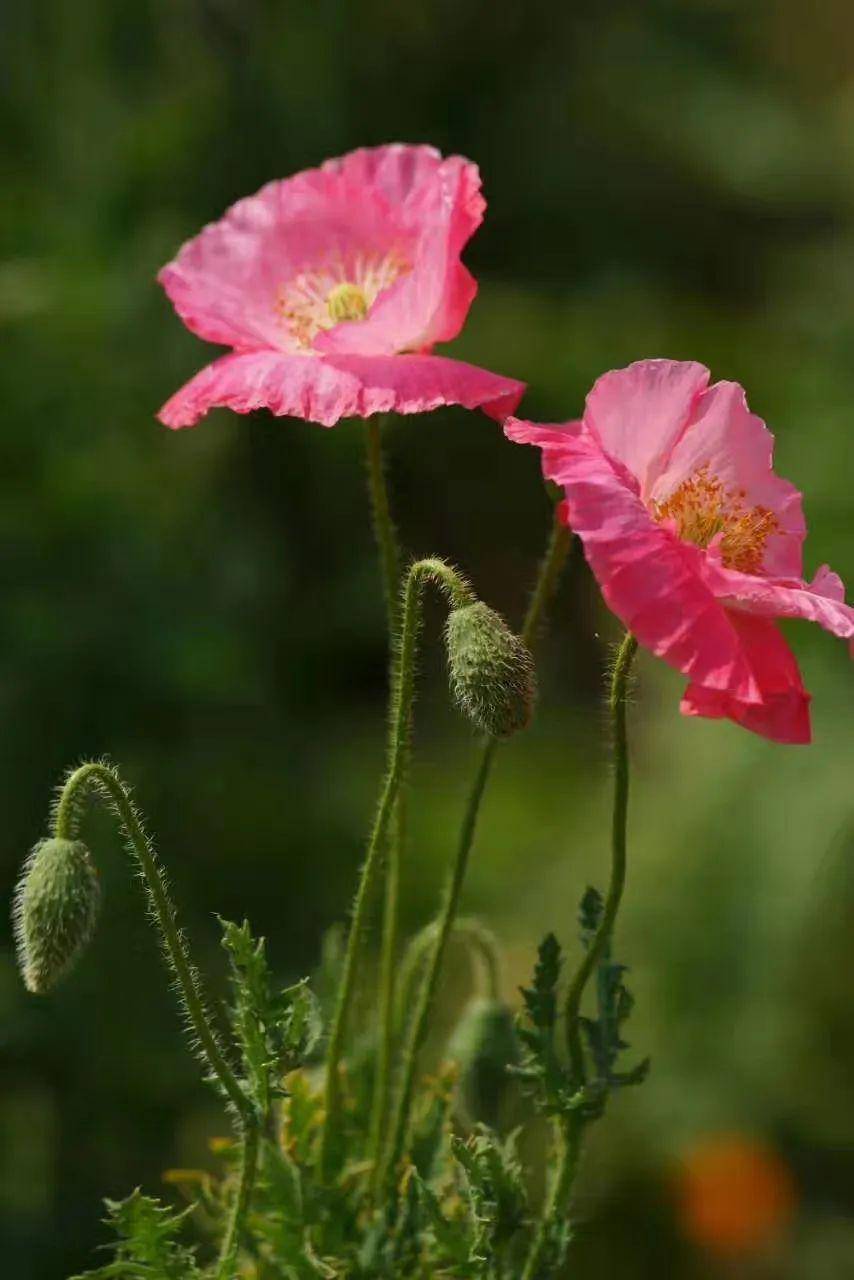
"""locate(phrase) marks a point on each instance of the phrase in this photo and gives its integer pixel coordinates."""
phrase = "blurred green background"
(667, 178)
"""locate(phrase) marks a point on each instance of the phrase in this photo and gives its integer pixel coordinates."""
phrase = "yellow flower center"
(701, 508)
(335, 292)
(346, 302)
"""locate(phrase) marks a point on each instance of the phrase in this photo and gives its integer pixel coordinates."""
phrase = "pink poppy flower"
(694, 540)
(332, 288)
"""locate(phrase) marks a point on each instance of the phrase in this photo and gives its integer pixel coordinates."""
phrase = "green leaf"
(590, 914)
(276, 1031)
(147, 1244)
(495, 1193)
(614, 1005)
(540, 1070)
(541, 998)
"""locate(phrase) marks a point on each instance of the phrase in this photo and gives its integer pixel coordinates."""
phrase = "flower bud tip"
(56, 906)
(491, 669)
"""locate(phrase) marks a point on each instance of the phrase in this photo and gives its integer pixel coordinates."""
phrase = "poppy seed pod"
(484, 1045)
(56, 906)
(492, 671)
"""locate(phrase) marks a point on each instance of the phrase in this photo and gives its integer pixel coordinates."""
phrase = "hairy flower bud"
(484, 1046)
(56, 905)
(492, 671)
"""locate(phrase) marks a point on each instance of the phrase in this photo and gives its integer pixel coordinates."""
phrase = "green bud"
(484, 1046)
(56, 905)
(492, 671)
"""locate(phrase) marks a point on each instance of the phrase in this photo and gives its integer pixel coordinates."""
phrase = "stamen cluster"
(339, 289)
(703, 508)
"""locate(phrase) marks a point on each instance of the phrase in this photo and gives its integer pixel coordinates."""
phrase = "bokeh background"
(668, 178)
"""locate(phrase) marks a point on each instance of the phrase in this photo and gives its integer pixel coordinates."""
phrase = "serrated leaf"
(540, 1070)
(590, 913)
(147, 1243)
(495, 1192)
(275, 1030)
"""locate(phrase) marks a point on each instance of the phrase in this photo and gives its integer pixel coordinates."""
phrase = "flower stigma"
(346, 302)
(336, 291)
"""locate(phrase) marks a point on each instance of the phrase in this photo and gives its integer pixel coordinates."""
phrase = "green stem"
(569, 1137)
(548, 576)
(240, 1207)
(106, 780)
(388, 547)
(571, 1129)
(560, 539)
(482, 946)
(403, 690)
(617, 709)
(385, 533)
(418, 1024)
(388, 969)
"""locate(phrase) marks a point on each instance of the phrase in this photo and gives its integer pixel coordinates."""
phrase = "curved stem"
(240, 1207)
(482, 945)
(403, 690)
(560, 540)
(617, 708)
(572, 1127)
(102, 778)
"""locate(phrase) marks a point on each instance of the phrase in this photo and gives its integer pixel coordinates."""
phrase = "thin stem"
(560, 539)
(388, 968)
(403, 691)
(572, 1128)
(481, 944)
(388, 547)
(240, 1207)
(592, 956)
(385, 533)
(551, 567)
(421, 1016)
(569, 1138)
(106, 780)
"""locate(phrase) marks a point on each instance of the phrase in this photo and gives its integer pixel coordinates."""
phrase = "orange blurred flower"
(735, 1194)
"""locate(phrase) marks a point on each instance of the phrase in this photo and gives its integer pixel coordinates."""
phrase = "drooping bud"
(484, 1046)
(492, 671)
(56, 906)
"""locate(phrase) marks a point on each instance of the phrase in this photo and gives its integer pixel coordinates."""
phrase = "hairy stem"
(403, 690)
(104, 780)
(240, 1207)
(570, 1130)
(617, 709)
(548, 575)
(388, 969)
(388, 548)
(418, 1024)
(388, 544)
(482, 947)
(569, 1138)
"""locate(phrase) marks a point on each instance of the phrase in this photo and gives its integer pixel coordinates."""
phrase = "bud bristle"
(56, 906)
(492, 671)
